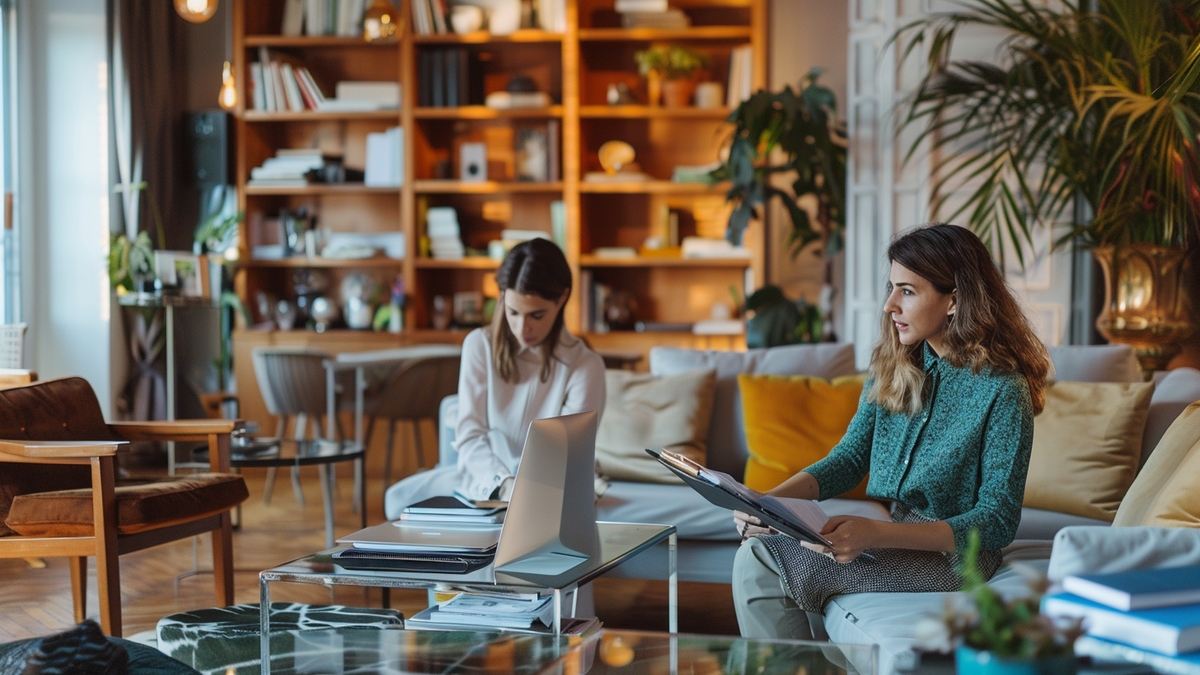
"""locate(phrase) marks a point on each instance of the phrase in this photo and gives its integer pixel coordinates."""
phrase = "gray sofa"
(708, 541)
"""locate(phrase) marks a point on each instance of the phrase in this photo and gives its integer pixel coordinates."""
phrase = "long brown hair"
(536, 267)
(987, 328)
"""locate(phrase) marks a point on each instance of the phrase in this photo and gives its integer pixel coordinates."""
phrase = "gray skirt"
(813, 578)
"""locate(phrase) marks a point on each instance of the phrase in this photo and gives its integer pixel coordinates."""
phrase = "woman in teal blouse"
(944, 427)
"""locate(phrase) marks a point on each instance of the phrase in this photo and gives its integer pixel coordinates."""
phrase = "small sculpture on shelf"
(358, 294)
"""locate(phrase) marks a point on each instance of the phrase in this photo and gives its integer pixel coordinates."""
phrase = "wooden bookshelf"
(576, 68)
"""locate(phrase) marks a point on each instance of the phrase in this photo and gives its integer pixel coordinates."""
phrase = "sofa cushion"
(726, 436)
(1040, 524)
(793, 422)
(1095, 363)
(678, 505)
(1104, 550)
(890, 619)
(141, 506)
(1086, 447)
(1164, 492)
(1174, 390)
(647, 411)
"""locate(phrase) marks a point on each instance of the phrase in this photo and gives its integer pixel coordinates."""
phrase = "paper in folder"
(800, 519)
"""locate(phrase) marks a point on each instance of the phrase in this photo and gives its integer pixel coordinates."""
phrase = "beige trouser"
(760, 597)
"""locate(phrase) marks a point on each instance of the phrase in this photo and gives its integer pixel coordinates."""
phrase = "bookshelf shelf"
(660, 187)
(486, 188)
(315, 116)
(361, 263)
(654, 34)
(650, 112)
(482, 37)
(321, 189)
(316, 41)
(481, 112)
(473, 263)
(698, 263)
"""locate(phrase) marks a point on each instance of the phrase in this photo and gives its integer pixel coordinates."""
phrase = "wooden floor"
(36, 601)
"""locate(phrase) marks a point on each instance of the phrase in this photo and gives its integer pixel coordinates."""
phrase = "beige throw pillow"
(645, 411)
(1086, 447)
(1167, 491)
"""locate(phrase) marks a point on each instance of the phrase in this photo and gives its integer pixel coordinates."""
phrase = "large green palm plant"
(1090, 118)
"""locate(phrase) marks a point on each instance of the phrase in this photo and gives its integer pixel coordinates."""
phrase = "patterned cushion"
(226, 639)
(141, 506)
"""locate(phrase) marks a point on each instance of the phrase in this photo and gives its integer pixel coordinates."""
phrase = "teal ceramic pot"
(974, 662)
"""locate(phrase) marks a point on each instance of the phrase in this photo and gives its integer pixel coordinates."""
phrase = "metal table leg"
(672, 586)
(326, 478)
(360, 488)
(264, 621)
(170, 319)
(558, 611)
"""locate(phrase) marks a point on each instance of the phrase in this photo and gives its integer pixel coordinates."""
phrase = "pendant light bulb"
(196, 11)
(379, 21)
(228, 96)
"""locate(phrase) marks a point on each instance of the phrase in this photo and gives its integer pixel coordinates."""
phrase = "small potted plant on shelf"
(669, 72)
(993, 636)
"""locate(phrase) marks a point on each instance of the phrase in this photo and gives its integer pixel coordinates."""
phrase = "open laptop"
(551, 523)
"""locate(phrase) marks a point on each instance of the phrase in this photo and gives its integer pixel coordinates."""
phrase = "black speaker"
(209, 132)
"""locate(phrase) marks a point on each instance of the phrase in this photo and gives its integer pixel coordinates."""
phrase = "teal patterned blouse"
(963, 459)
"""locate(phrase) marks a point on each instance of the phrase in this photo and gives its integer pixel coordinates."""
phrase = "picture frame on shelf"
(182, 271)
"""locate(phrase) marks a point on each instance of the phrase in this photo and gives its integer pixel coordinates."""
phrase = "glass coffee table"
(618, 543)
(622, 652)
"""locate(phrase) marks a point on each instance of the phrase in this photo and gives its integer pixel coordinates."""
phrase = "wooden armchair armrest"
(177, 430)
(18, 451)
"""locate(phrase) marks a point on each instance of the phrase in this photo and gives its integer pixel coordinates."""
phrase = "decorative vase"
(969, 661)
(1145, 300)
(677, 93)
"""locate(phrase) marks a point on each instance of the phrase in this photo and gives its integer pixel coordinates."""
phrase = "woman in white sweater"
(523, 367)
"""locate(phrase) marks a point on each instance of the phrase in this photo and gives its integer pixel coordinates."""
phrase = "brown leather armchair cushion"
(57, 410)
(141, 506)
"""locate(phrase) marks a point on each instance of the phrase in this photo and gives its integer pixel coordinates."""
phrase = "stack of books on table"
(1149, 616)
(506, 612)
(445, 237)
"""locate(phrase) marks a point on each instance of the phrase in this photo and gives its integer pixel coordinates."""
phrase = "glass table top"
(622, 652)
(250, 451)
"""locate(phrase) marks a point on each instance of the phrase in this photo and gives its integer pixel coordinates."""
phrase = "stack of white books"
(287, 168)
(385, 158)
(651, 14)
(518, 610)
(1151, 616)
(703, 247)
(445, 238)
(361, 96)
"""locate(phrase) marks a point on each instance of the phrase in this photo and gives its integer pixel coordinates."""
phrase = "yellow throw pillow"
(794, 421)
(1165, 493)
(646, 411)
(1087, 444)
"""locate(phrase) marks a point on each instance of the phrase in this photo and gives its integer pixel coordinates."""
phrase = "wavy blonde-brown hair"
(988, 327)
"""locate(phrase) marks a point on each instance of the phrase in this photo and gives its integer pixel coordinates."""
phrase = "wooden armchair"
(59, 496)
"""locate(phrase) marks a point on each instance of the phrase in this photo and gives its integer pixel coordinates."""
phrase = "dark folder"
(387, 561)
(726, 498)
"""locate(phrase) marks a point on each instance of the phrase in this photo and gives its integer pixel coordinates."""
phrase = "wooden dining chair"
(59, 496)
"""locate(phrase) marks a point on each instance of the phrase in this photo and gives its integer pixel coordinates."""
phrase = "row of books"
(448, 78)
(323, 17)
(281, 83)
(1150, 615)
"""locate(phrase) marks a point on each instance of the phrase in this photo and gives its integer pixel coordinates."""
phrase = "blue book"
(1166, 630)
(1139, 589)
(1108, 650)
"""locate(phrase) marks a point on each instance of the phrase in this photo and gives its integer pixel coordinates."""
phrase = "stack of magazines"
(507, 612)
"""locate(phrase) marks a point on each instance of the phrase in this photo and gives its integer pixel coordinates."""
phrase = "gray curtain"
(146, 76)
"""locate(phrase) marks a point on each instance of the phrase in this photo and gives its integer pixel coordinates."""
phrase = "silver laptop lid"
(425, 537)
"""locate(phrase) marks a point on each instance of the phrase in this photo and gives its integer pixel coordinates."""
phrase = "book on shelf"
(510, 100)
(741, 75)
(429, 17)
(1139, 589)
(641, 5)
(552, 15)
(385, 158)
(558, 220)
(615, 252)
(1166, 630)
(384, 95)
(673, 19)
(702, 247)
(281, 83)
(1110, 650)
(293, 18)
(662, 327)
(323, 17)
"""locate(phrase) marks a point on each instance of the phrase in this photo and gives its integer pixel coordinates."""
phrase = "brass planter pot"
(1145, 301)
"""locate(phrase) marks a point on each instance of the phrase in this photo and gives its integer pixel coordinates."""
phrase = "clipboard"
(692, 475)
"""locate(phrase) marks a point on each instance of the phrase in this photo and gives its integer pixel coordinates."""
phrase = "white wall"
(62, 191)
